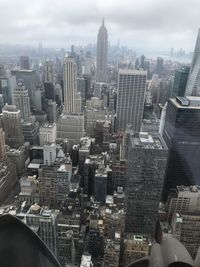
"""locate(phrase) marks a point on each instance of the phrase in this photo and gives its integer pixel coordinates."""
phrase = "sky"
(139, 24)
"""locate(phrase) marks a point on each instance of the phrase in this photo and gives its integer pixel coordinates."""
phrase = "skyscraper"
(2, 145)
(147, 159)
(48, 80)
(182, 135)
(12, 126)
(70, 84)
(48, 71)
(71, 123)
(193, 84)
(24, 63)
(180, 81)
(100, 185)
(102, 47)
(21, 100)
(130, 100)
(159, 66)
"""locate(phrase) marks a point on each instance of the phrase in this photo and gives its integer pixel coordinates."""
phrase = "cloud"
(146, 23)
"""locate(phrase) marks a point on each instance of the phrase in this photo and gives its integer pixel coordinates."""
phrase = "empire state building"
(102, 48)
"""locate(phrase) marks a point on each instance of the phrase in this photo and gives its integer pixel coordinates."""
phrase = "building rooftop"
(132, 72)
(34, 166)
(186, 102)
(147, 141)
(192, 188)
(48, 126)
(85, 143)
(86, 260)
(97, 159)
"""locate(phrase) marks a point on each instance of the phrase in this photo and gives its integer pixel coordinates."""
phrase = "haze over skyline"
(145, 24)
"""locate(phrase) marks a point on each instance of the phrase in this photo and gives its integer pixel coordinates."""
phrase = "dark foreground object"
(21, 247)
(171, 253)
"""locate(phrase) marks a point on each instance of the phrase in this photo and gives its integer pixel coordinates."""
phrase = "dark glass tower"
(147, 159)
(182, 136)
(180, 81)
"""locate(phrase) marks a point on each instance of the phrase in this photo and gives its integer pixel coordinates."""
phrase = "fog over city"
(145, 24)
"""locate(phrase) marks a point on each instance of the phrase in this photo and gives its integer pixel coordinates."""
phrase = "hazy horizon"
(148, 25)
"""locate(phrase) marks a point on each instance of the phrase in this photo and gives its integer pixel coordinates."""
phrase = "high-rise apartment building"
(182, 135)
(21, 100)
(70, 84)
(180, 81)
(186, 228)
(11, 120)
(183, 199)
(102, 48)
(130, 100)
(147, 159)
(193, 83)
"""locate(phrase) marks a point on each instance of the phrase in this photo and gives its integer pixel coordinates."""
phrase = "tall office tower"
(102, 48)
(70, 84)
(2, 145)
(64, 173)
(130, 100)
(81, 87)
(7, 86)
(159, 66)
(193, 83)
(88, 65)
(51, 111)
(21, 100)
(48, 71)
(78, 103)
(12, 126)
(119, 169)
(182, 135)
(48, 186)
(29, 78)
(48, 80)
(180, 81)
(49, 154)
(92, 163)
(147, 159)
(142, 60)
(8, 179)
(24, 63)
(44, 221)
(100, 185)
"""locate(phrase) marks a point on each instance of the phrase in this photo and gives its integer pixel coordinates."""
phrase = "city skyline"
(100, 143)
(152, 20)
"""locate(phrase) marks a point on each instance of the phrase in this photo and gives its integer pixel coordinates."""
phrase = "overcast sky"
(145, 24)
